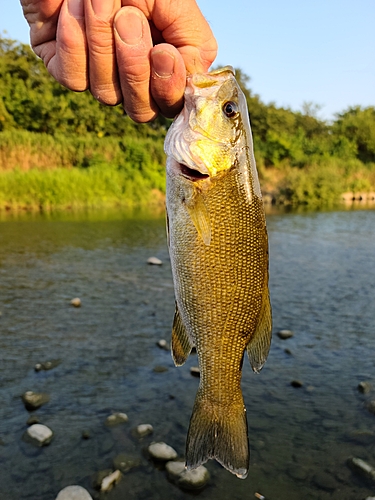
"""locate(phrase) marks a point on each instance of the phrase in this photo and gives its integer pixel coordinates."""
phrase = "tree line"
(43, 126)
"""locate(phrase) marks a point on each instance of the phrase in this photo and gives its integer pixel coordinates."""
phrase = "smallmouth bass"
(218, 246)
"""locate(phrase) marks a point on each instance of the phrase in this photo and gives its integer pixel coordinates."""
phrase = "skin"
(137, 52)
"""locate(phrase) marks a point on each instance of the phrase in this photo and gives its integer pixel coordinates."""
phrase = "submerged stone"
(296, 383)
(143, 430)
(361, 467)
(39, 434)
(187, 479)
(109, 481)
(162, 451)
(154, 261)
(285, 334)
(124, 463)
(76, 302)
(33, 400)
(364, 387)
(163, 344)
(116, 419)
(74, 493)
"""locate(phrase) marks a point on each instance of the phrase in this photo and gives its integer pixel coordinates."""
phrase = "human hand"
(132, 51)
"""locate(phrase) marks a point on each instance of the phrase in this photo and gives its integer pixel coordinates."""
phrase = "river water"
(322, 275)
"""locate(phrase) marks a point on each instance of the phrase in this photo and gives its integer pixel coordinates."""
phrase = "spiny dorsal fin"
(259, 345)
(181, 344)
(199, 215)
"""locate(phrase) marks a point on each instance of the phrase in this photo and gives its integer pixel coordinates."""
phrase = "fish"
(218, 247)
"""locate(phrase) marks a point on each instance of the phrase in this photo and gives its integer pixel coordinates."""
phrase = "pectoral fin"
(259, 345)
(181, 343)
(201, 218)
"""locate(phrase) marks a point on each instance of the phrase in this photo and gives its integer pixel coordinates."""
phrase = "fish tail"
(220, 432)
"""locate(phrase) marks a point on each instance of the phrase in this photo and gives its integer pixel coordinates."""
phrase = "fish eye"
(230, 109)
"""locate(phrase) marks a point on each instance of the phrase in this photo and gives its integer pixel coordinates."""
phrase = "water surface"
(322, 275)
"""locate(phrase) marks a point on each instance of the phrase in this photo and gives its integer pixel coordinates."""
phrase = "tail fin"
(218, 432)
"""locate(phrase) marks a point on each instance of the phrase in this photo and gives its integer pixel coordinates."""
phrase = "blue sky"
(295, 51)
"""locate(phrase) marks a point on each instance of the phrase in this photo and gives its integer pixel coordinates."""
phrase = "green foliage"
(61, 148)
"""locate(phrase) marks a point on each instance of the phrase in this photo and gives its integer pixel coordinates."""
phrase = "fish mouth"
(191, 174)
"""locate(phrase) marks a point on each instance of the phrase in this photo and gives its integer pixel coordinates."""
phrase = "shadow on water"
(322, 271)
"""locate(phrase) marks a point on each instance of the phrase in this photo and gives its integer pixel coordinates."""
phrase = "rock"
(162, 451)
(99, 476)
(143, 430)
(47, 365)
(74, 493)
(195, 371)
(86, 434)
(33, 419)
(361, 467)
(109, 481)
(285, 334)
(296, 383)
(39, 434)
(33, 400)
(174, 469)
(163, 344)
(363, 437)
(370, 498)
(364, 387)
(288, 351)
(325, 481)
(154, 261)
(297, 472)
(187, 479)
(160, 369)
(116, 418)
(371, 406)
(124, 463)
(76, 302)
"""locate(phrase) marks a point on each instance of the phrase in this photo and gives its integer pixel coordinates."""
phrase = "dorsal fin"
(181, 343)
(259, 345)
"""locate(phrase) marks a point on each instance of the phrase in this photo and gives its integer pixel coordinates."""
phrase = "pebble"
(162, 451)
(33, 400)
(109, 481)
(285, 334)
(296, 383)
(371, 407)
(85, 434)
(187, 479)
(160, 369)
(364, 387)
(39, 434)
(99, 476)
(76, 302)
(116, 418)
(48, 365)
(74, 493)
(154, 261)
(33, 419)
(163, 344)
(124, 463)
(143, 430)
(363, 437)
(195, 371)
(324, 481)
(361, 467)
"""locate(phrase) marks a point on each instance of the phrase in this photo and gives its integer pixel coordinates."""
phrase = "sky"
(294, 51)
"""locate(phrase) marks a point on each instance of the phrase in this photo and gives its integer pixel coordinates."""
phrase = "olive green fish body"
(219, 256)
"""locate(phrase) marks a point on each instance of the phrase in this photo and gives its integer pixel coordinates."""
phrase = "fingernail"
(162, 63)
(102, 8)
(75, 8)
(129, 27)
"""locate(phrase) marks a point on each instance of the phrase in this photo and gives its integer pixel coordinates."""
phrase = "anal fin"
(259, 345)
(181, 343)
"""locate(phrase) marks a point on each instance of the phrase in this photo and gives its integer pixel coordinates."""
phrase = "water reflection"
(322, 275)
